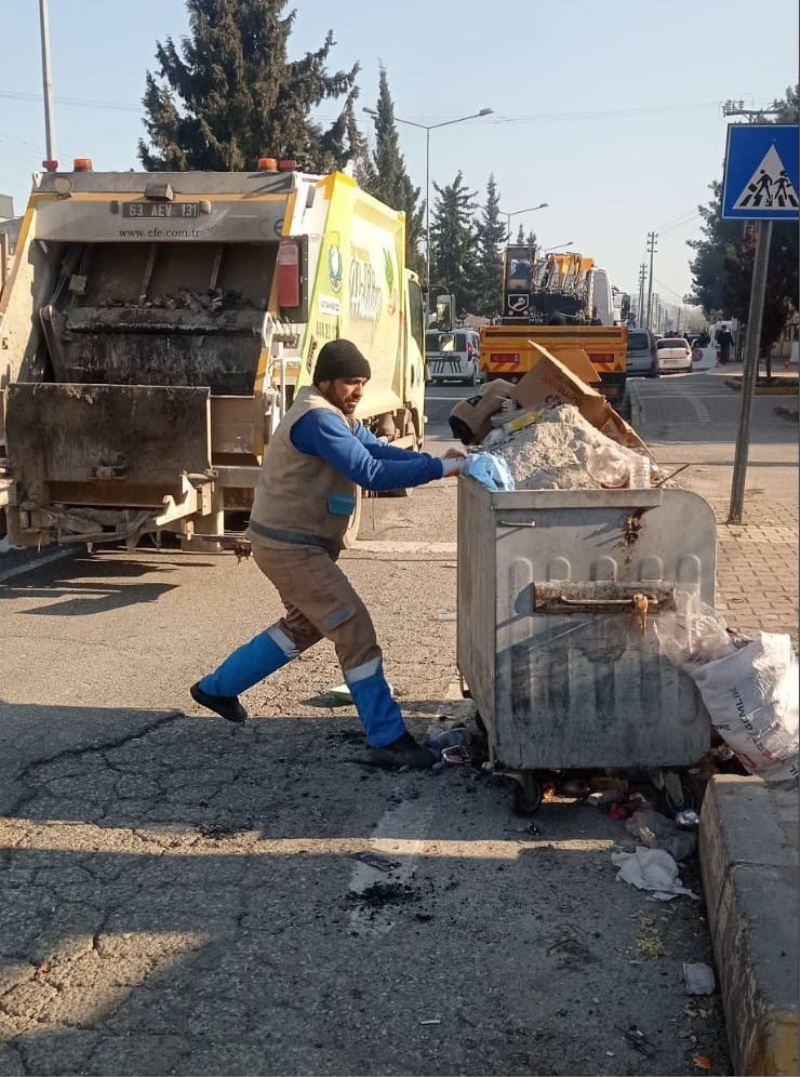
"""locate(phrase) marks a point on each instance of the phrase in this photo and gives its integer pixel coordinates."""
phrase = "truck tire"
(351, 534)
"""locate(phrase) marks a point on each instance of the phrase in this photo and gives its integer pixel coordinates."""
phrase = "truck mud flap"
(69, 433)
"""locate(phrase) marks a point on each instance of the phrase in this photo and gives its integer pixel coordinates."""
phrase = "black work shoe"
(403, 752)
(227, 707)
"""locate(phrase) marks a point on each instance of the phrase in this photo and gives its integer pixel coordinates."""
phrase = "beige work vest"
(301, 498)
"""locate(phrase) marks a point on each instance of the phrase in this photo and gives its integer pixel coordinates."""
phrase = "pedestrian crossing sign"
(761, 172)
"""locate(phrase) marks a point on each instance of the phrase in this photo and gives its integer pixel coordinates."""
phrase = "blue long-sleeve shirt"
(366, 461)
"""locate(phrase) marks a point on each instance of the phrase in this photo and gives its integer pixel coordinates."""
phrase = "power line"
(77, 102)
(672, 291)
(679, 221)
(613, 113)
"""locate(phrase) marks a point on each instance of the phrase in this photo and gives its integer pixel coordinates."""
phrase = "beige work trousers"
(320, 601)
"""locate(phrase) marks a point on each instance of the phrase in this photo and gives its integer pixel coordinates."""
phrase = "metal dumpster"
(565, 671)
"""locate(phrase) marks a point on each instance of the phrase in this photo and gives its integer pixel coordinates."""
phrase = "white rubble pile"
(562, 451)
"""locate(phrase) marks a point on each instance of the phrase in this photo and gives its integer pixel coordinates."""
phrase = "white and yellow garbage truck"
(155, 326)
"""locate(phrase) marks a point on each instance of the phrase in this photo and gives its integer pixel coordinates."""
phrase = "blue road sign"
(761, 172)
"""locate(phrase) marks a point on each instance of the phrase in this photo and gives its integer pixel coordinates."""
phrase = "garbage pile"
(749, 685)
(553, 432)
(557, 449)
(212, 301)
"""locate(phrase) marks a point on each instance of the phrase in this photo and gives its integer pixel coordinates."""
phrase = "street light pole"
(47, 82)
(427, 128)
(428, 229)
(516, 213)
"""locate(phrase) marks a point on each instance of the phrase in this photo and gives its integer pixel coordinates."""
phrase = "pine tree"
(230, 95)
(489, 262)
(521, 237)
(384, 175)
(453, 241)
(530, 240)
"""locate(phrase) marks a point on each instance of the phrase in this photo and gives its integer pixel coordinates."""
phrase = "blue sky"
(608, 111)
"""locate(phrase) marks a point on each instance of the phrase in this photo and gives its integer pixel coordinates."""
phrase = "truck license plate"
(164, 210)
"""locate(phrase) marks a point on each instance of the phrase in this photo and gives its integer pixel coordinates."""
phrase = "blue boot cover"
(250, 663)
(379, 714)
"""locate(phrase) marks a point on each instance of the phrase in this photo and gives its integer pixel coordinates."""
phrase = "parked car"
(642, 356)
(453, 356)
(674, 354)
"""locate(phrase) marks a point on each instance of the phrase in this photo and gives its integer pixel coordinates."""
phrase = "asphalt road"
(183, 896)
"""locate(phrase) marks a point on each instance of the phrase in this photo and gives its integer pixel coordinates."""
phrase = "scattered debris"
(651, 869)
(699, 978)
(687, 820)
(656, 831)
(624, 809)
(340, 695)
(446, 616)
(702, 1062)
(637, 1039)
(431, 1021)
(377, 861)
(649, 943)
(379, 894)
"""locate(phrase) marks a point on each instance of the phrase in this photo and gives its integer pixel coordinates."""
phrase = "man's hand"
(453, 463)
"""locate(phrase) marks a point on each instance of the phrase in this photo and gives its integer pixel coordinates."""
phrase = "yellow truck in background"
(155, 327)
(507, 352)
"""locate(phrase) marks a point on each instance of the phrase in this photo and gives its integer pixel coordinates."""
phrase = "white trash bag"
(752, 697)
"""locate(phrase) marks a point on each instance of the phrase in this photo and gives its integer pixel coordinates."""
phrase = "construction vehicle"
(549, 301)
(156, 326)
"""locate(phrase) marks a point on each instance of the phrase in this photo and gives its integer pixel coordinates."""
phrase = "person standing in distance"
(304, 498)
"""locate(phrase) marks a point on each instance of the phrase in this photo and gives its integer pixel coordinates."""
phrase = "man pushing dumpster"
(306, 493)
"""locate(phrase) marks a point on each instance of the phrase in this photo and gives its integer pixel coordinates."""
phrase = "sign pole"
(750, 372)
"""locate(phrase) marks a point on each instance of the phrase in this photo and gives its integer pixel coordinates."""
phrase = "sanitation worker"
(306, 492)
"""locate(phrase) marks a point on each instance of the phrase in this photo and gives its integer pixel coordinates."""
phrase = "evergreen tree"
(521, 236)
(230, 95)
(452, 246)
(384, 175)
(491, 235)
(530, 240)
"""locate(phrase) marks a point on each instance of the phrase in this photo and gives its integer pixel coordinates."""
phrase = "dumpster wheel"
(527, 793)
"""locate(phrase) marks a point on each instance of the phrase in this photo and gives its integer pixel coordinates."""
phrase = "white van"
(454, 356)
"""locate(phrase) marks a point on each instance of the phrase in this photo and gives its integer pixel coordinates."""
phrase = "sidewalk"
(748, 831)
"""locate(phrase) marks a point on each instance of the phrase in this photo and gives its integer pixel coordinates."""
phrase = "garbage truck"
(155, 327)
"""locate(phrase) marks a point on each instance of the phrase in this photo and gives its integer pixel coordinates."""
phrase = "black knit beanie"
(340, 359)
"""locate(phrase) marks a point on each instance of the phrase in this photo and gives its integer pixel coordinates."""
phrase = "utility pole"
(47, 82)
(750, 373)
(652, 238)
(640, 311)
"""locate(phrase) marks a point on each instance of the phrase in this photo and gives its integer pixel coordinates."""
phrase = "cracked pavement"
(184, 896)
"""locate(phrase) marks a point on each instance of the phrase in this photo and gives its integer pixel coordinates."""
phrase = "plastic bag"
(694, 633)
(651, 869)
(490, 471)
(752, 697)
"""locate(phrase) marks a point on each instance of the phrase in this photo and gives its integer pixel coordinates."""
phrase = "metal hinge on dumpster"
(601, 596)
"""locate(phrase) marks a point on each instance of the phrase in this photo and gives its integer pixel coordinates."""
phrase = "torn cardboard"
(471, 419)
(551, 384)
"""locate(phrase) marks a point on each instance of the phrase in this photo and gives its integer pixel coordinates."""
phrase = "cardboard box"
(471, 419)
(550, 384)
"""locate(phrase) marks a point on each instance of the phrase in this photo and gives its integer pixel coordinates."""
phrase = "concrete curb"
(749, 864)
